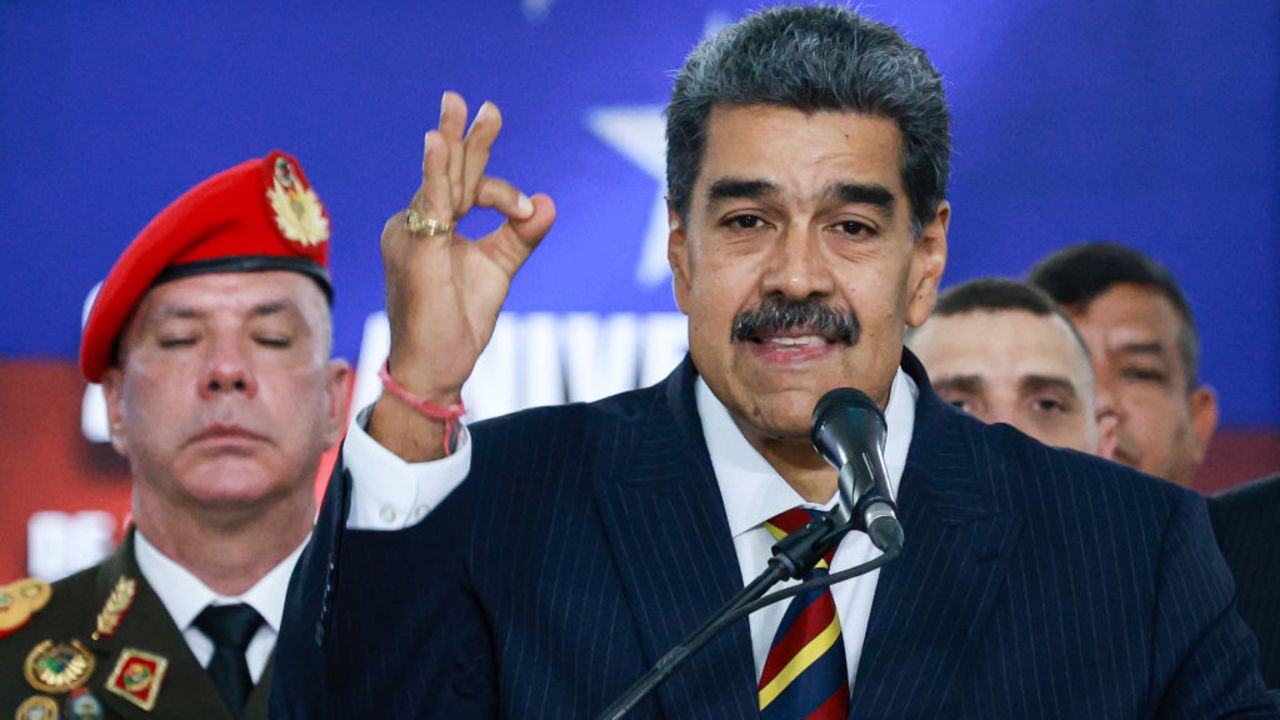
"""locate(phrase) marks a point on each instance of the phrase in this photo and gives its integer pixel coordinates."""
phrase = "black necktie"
(230, 627)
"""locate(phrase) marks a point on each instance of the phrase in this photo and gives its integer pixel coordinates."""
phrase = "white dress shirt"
(390, 494)
(185, 597)
(753, 492)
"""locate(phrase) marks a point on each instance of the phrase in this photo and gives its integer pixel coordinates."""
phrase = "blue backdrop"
(1150, 123)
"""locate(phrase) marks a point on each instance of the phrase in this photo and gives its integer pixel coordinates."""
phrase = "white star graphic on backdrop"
(638, 133)
(536, 10)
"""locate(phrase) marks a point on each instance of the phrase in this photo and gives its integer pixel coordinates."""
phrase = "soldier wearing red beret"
(211, 337)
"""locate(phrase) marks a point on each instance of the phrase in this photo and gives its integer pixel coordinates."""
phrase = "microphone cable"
(873, 564)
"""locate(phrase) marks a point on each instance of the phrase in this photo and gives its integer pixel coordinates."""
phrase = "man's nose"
(796, 266)
(1003, 412)
(227, 371)
(1108, 403)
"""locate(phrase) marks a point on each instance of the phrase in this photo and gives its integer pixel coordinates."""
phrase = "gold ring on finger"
(417, 224)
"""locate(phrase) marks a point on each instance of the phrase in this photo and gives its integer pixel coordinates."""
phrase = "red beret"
(260, 215)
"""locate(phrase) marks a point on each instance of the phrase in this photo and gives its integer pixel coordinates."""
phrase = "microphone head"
(844, 421)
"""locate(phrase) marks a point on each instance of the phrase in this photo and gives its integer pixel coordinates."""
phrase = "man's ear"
(113, 391)
(928, 260)
(1204, 418)
(678, 257)
(338, 384)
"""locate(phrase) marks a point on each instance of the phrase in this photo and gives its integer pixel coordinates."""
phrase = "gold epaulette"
(21, 600)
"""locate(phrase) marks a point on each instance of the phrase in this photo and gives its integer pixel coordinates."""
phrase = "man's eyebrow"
(273, 307)
(972, 384)
(183, 312)
(1154, 347)
(1040, 383)
(186, 312)
(729, 188)
(873, 194)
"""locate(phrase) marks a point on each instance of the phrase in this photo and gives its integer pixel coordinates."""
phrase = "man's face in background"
(1016, 367)
(1165, 420)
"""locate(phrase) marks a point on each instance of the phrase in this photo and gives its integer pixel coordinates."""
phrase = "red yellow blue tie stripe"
(805, 675)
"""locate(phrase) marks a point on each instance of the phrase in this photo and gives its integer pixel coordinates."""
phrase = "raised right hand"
(444, 291)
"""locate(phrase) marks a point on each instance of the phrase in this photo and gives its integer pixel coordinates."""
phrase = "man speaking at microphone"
(808, 154)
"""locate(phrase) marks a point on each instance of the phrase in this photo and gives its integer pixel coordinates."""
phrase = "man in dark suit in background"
(808, 154)
(1145, 350)
(1246, 520)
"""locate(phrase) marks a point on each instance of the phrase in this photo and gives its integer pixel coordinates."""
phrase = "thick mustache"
(810, 315)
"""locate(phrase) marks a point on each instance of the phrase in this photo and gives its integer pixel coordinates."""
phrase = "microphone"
(849, 432)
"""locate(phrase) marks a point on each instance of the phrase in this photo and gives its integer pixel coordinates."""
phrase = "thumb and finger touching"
(453, 181)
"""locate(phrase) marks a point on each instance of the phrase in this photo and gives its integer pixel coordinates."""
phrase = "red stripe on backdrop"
(1237, 456)
(48, 465)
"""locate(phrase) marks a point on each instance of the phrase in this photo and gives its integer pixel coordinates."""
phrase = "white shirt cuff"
(388, 493)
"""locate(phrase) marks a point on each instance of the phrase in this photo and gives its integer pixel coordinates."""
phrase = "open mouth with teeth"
(802, 340)
(792, 346)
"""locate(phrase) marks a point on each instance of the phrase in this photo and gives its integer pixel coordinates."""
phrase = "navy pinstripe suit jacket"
(588, 539)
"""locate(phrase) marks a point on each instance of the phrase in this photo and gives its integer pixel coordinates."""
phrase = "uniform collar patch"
(116, 607)
(137, 677)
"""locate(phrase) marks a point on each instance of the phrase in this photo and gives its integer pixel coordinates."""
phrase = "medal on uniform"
(137, 677)
(19, 601)
(37, 707)
(118, 603)
(83, 705)
(58, 668)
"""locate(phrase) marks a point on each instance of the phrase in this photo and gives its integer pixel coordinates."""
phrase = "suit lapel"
(185, 691)
(665, 521)
(932, 604)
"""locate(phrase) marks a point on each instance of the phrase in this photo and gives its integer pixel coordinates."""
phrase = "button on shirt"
(389, 494)
(753, 492)
(185, 596)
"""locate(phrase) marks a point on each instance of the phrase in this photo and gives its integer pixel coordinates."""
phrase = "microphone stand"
(793, 557)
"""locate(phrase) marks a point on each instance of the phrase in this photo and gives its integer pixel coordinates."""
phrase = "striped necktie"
(805, 675)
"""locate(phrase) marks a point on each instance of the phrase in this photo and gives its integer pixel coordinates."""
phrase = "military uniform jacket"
(104, 646)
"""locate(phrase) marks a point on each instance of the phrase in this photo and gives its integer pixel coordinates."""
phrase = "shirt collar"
(752, 490)
(185, 596)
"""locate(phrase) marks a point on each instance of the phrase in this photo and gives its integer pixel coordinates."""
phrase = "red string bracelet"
(447, 413)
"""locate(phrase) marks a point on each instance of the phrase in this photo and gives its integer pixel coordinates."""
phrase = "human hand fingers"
(496, 193)
(453, 123)
(476, 147)
(433, 198)
(515, 240)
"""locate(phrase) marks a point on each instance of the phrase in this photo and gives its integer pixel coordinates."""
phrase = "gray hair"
(814, 58)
